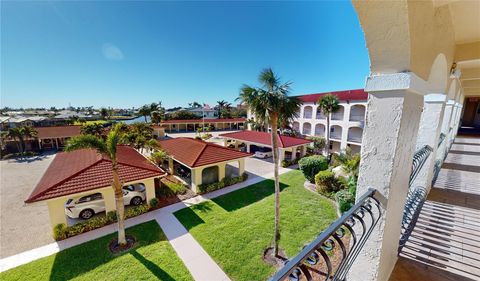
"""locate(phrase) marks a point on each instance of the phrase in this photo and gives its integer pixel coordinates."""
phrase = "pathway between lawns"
(196, 259)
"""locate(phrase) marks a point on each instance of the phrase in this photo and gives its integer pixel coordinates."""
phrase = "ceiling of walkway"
(466, 22)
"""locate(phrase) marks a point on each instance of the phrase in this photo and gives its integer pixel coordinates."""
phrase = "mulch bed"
(116, 248)
(277, 261)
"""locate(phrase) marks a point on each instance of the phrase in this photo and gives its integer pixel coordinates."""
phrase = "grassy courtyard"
(152, 259)
(236, 228)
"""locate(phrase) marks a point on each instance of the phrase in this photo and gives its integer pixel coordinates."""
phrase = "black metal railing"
(414, 203)
(419, 158)
(365, 214)
(441, 139)
(436, 170)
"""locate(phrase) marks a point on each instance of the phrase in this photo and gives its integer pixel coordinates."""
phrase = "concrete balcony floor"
(445, 244)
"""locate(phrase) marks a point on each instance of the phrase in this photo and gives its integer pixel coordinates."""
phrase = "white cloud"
(112, 52)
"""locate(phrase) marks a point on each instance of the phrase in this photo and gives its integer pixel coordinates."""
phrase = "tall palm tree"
(106, 147)
(16, 135)
(270, 103)
(144, 111)
(328, 104)
(27, 132)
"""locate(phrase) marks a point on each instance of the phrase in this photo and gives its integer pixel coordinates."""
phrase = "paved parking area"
(22, 227)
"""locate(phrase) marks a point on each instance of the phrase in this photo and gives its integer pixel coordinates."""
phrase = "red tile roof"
(57, 131)
(85, 169)
(358, 94)
(265, 138)
(197, 121)
(196, 153)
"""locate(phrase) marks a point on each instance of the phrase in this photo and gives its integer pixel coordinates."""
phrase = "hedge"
(345, 200)
(61, 231)
(204, 188)
(326, 183)
(311, 165)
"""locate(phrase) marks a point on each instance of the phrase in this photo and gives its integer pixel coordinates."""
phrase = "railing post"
(428, 134)
(389, 138)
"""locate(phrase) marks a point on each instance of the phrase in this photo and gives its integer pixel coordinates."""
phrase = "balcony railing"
(335, 136)
(337, 116)
(357, 139)
(357, 117)
(365, 214)
(419, 158)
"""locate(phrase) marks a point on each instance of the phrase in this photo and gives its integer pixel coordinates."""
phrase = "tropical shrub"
(311, 165)
(326, 183)
(136, 211)
(204, 188)
(170, 188)
(288, 163)
(345, 200)
(112, 216)
(153, 203)
(59, 232)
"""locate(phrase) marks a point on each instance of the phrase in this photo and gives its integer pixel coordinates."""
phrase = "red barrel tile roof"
(196, 153)
(358, 94)
(266, 138)
(85, 169)
(57, 132)
(197, 121)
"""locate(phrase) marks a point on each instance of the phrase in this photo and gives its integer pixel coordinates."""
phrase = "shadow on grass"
(246, 196)
(189, 218)
(85, 257)
(154, 269)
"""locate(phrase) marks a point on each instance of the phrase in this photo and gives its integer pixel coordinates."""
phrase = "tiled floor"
(445, 244)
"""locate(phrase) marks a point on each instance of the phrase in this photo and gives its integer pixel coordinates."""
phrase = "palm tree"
(95, 129)
(349, 161)
(16, 135)
(106, 147)
(271, 103)
(27, 133)
(144, 111)
(328, 104)
(104, 113)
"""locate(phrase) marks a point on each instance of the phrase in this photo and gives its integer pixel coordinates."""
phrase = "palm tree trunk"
(145, 116)
(277, 184)
(328, 137)
(117, 188)
(19, 147)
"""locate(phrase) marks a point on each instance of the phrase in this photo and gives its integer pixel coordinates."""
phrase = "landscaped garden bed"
(152, 258)
(236, 229)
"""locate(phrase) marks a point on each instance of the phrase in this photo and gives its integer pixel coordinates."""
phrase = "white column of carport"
(149, 188)
(241, 166)
(303, 150)
(196, 178)
(389, 139)
(56, 211)
(428, 134)
(221, 171)
(281, 154)
(294, 153)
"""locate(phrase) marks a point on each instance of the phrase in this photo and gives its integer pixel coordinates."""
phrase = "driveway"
(22, 227)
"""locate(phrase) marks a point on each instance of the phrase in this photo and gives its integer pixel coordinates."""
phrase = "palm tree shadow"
(152, 267)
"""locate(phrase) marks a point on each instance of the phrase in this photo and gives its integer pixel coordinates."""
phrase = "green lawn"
(236, 228)
(152, 259)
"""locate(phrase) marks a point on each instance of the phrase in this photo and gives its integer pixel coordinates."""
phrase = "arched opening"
(355, 134)
(232, 169)
(307, 128)
(320, 114)
(320, 130)
(336, 132)
(338, 115)
(307, 112)
(210, 175)
(357, 113)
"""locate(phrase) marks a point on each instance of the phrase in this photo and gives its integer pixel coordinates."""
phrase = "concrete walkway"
(444, 245)
(196, 259)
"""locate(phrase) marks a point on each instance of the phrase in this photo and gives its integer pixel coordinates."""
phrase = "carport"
(207, 161)
(83, 172)
(254, 139)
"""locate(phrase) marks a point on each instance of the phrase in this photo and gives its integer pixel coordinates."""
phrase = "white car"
(87, 206)
(263, 154)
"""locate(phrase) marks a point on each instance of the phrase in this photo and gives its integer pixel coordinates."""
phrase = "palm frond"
(86, 141)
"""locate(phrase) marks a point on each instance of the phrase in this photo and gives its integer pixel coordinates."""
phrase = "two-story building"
(346, 124)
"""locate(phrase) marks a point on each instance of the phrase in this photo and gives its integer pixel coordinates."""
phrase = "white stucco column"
(428, 134)
(303, 151)
(281, 155)
(294, 153)
(393, 114)
(221, 171)
(56, 211)
(196, 178)
(248, 147)
(109, 199)
(446, 127)
(241, 166)
(150, 189)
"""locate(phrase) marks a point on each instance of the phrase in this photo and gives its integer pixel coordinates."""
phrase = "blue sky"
(125, 54)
